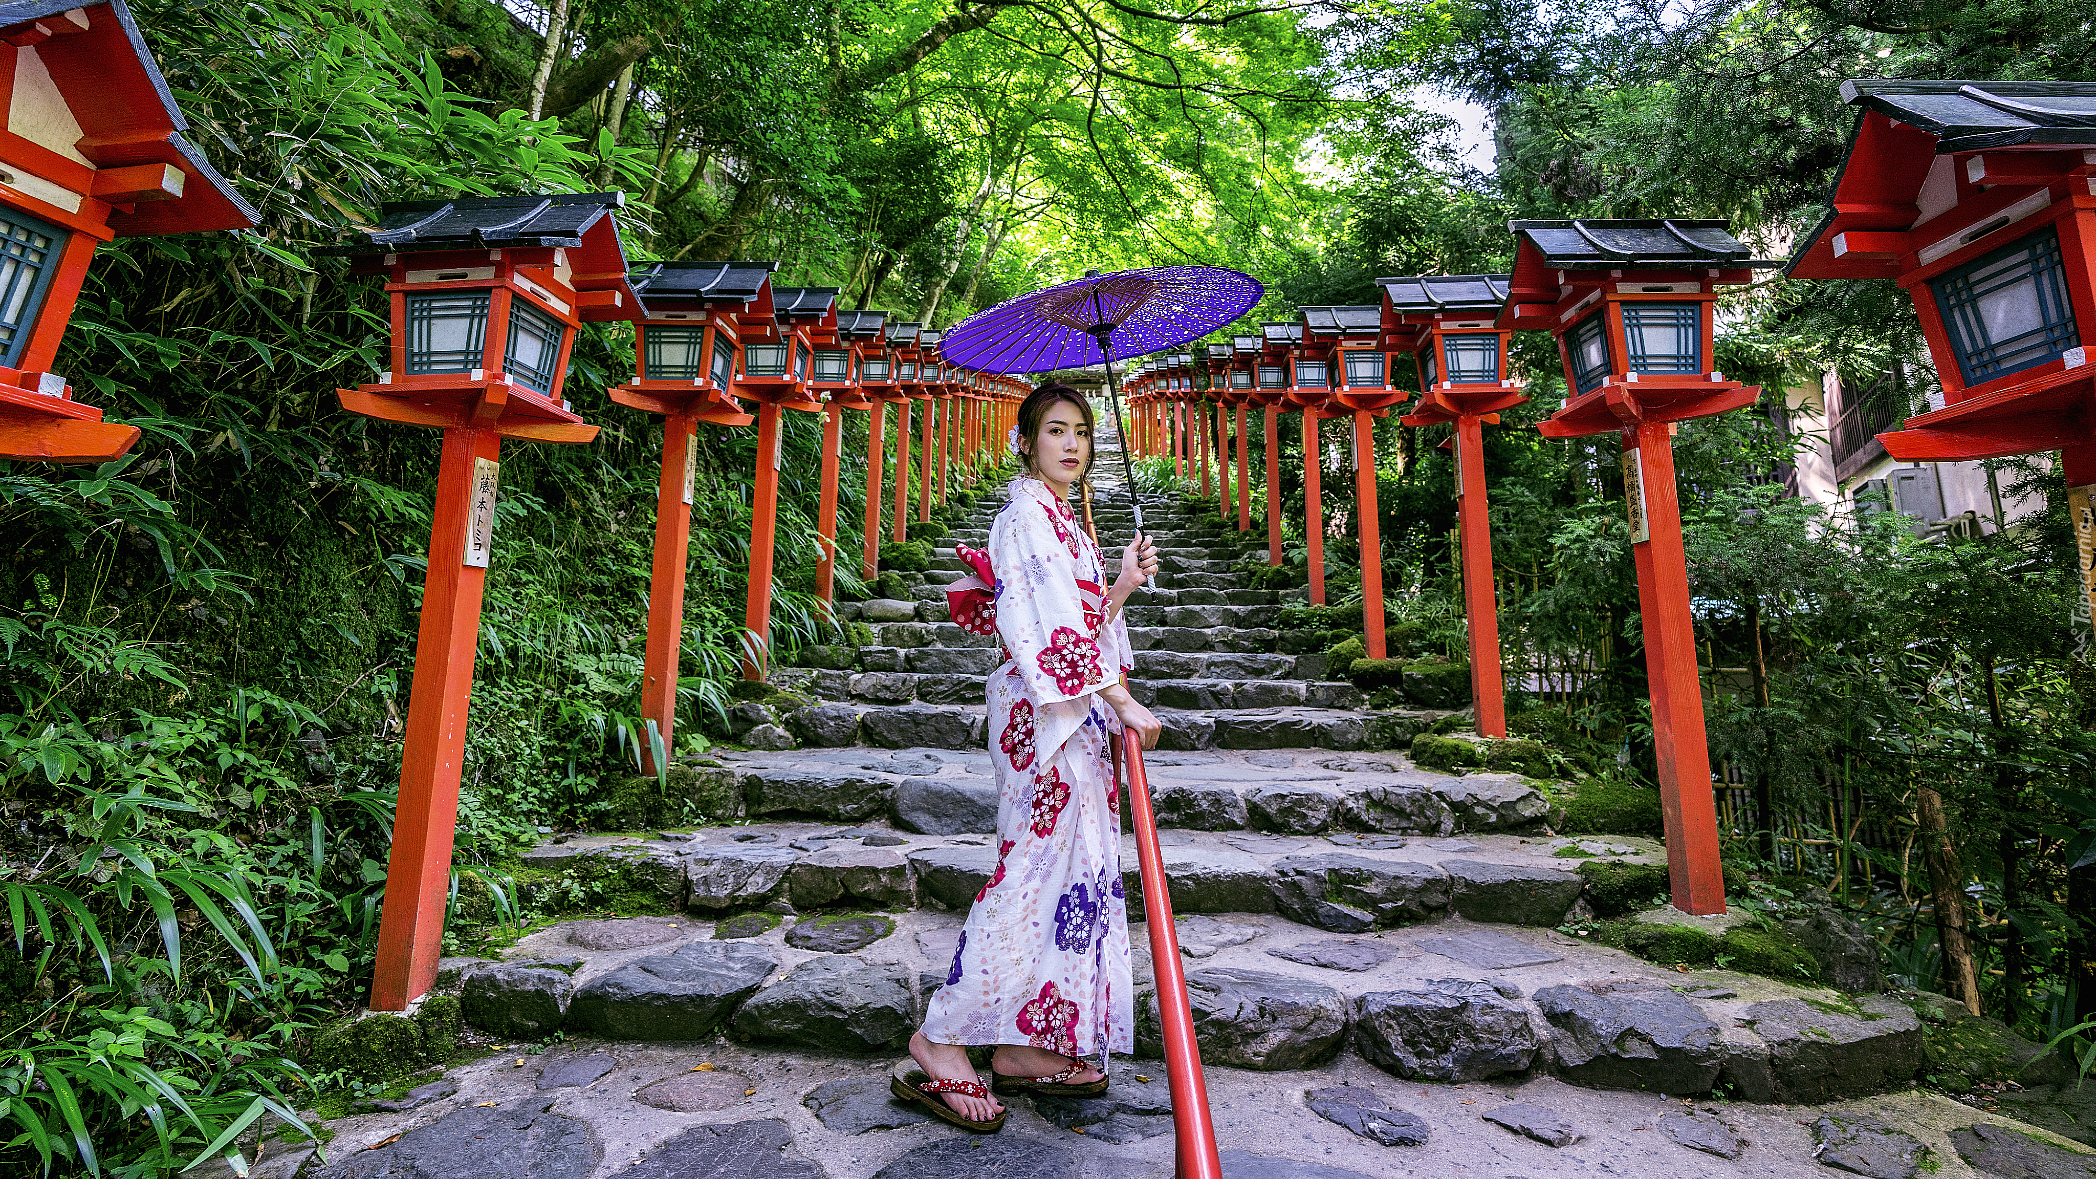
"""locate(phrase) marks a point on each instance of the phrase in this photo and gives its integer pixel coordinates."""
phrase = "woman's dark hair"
(1034, 410)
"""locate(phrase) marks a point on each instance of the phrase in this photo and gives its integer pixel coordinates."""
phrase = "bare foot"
(949, 1062)
(1017, 1060)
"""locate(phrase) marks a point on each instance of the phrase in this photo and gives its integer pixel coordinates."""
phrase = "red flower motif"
(1050, 1021)
(1062, 533)
(1017, 740)
(1071, 660)
(1050, 795)
(1092, 618)
(1113, 798)
(996, 878)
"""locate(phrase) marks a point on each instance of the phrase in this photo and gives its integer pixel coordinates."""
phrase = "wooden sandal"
(1056, 1085)
(917, 1086)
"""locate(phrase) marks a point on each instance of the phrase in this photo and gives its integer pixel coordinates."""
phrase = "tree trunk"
(873, 284)
(952, 265)
(2011, 852)
(1948, 898)
(672, 126)
(995, 239)
(549, 51)
(1764, 789)
(615, 119)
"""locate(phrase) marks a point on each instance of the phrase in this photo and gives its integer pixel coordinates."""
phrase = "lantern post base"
(1313, 506)
(1273, 485)
(876, 424)
(658, 685)
(826, 506)
(764, 532)
(1480, 592)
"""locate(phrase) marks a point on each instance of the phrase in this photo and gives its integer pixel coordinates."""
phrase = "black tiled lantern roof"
(1365, 317)
(557, 220)
(904, 335)
(1427, 294)
(1219, 352)
(1281, 333)
(674, 283)
(1666, 243)
(1976, 116)
(862, 325)
(1245, 343)
(927, 339)
(803, 302)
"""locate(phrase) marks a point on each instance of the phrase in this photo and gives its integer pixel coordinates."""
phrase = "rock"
(1364, 1113)
(576, 1070)
(1849, 959)
(1444, 1030)
(1186, 730)
(745, 925)
(1251, 1019)
(523, 1139)
(1201, 936)
(953, 875)
(884, 687)
(1963, 1052)
(837, 1003)
(2011, 1154)
(997, 1156)
(1197, 806)
(844, 935)
(888, 610)
(1405, 805)
(1865, 1146)
(419, 1095)
(1491, 802)
(1705, 1131)
(913, 726)
(738, 1150)
(1354, 894)
(826, 726)
(1291, 809)
(947, 806)
(1511, 894)
(1132, 1111)
(768, 737)
(975, 661)
(877, 875)
(748, 715)
(858, 1104)
(1632, 1039)
(881, 839)
(1203, 880)
(828, 793)
(881, 658)
(630, 934)
(1239, 1164)
(734, 876)
(1488, 950)
(1817, 1053)
(1369, 842)
(1534, 1121)
(517, 1000)
(1337, 955)
(692, 1092)
(682, 995)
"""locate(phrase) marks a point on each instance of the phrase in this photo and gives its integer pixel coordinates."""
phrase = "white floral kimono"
(1043, 958)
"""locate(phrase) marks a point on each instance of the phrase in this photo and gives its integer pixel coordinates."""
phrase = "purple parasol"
(1141, 311)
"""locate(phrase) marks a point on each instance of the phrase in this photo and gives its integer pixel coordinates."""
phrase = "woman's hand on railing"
(1133, 716)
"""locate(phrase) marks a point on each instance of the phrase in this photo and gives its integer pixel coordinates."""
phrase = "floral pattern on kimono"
(1043, 957)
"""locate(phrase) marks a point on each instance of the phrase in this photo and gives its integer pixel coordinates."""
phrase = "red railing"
(1182, 1055)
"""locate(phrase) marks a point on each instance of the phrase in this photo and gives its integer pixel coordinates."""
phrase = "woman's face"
(1062, 447)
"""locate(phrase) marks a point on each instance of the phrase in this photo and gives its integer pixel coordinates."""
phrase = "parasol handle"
(1104, 332)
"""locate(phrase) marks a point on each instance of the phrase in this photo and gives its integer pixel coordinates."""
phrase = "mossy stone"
(890, 585)
(1775, 955)
(858, 634)
(1445, 753)
(1342, 654)
(1669, 945)
(1612, 806)
(827, 658)
(1615, 888)
(1405, 639)
(375, 1048)
(438, 1021)
(751, 690)
(1437, 683)
(752, 924)
(1518, 755)
(909, 556)
(924, 531)
(1369, 674)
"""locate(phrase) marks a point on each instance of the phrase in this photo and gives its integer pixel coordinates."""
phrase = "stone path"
(1378, 983)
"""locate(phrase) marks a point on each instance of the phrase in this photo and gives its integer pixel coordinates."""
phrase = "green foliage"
(1320, 618)
(1612, 806)
(1615, 887)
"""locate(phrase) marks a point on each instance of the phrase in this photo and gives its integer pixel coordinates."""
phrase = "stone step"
(963, 726)
(1210, 694)
(1158, 664)
(1200, 617)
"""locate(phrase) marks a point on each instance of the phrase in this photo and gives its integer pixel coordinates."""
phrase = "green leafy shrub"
(1767, 952)
(1615, 888)
(1369, 674)
(908, 556)
(1445, 753)
(1612, 806)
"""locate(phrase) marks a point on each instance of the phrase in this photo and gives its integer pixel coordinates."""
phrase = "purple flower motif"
(953, 976)
(1075, 915)
(1119, 893)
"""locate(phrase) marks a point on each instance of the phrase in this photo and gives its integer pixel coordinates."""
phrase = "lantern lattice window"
(533, 351)
(1471, 359)
(2008, 311)
(1240, 379)
(1663, 337)
(832, 366)
(1364, 370)
(764, 360)
(723, 362)
(1310, 374)
(874, 369)
(676, 353)
(447, 333)
(1587, 345)
(1271, 376)
(27, 249)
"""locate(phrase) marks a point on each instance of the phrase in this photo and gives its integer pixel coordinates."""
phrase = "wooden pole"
(418, 871)
(1201, 433)
(927, 460)
(1244, 488)
(826, 506)
(1313, 508)
(1369, 531)
(1273, 485)
(1687, 802)
(1480, 590)
(764, 530)
(1222, 464)
(902, 471)
(673, 495)
(876, 425)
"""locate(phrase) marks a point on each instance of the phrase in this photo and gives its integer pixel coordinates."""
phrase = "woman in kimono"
(1042, 969)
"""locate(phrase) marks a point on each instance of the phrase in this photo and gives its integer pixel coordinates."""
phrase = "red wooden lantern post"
(1225, 372)
(486, 295)
(684, 348)
(1248, 377)
(776, 355)
(1631, 304)
(1307, 389)
(1359, 375)
(1446, 322)
(928, 390)
(902, 347)
(94, 151)
(877, 385)
(836, 373)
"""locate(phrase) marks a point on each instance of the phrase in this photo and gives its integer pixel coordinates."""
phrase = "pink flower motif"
(1063, 533)
(996, 878)
(1071, 660)
(1017, 740)
(1113, 797)
(1050, 1021)
(1050, 795)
